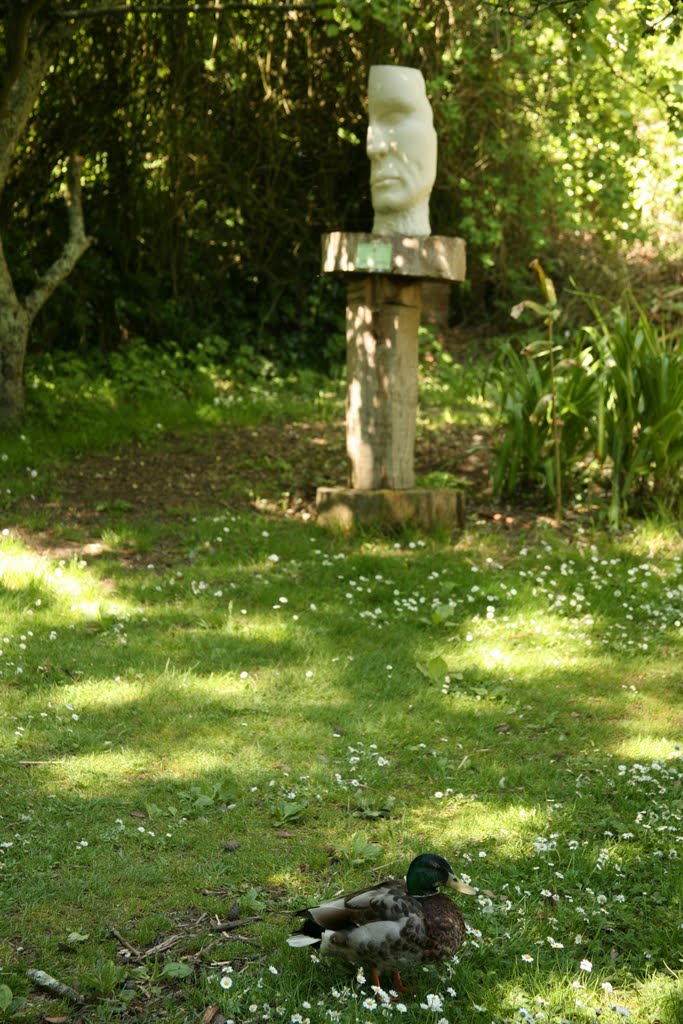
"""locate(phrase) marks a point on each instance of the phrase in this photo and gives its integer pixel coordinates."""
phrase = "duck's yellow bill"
(456, 883)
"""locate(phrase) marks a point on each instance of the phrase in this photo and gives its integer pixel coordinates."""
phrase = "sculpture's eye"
(394, 113)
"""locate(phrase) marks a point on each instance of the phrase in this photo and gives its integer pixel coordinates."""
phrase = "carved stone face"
(401, 145)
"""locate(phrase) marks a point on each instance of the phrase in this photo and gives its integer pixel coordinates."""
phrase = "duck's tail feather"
(298, 939)
(310, 933)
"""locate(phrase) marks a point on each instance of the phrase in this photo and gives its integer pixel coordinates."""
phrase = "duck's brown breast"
(445, 927)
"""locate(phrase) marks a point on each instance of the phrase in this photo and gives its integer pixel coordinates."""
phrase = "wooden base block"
(345, 508)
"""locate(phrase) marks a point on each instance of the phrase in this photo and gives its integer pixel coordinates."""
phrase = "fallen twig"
(212, 1015)
(41, 762)
(229, 926)
(161, 947)
(194, 925)
(242, 958)
(57, 988)
(124, 942)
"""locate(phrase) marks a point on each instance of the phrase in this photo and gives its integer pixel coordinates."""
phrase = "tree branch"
(74, 247)
(19, 103)
(17, 29)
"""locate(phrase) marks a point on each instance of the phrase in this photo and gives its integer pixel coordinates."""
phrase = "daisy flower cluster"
(356, 1000)
(569, 596)
(551, 945)
(358, 765)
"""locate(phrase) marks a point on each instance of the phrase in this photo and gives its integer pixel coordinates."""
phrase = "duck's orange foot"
(398, 984)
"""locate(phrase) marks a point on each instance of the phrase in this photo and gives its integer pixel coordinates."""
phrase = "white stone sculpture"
(401, 145)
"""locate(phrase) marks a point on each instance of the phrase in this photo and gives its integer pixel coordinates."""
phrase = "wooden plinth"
(384, 282)
(382, 320)
(346, 509)
(426, 257)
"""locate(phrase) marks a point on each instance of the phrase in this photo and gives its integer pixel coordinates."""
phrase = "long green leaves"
(532, 453)
(640, 409)
(548, 394)
(618, 395)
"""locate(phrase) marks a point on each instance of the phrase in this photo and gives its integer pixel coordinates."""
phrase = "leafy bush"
(616, 388)
(639, 415)
(549, 409)
(521, 385)
(208, 216)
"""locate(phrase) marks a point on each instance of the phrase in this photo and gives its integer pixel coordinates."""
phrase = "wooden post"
(382, 320)
(384, 285)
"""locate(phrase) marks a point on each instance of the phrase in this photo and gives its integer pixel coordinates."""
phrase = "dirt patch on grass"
(272, 467)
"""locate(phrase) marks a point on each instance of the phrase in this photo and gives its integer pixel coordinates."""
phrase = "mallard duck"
(391, 925)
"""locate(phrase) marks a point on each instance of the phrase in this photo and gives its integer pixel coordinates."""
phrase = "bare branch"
(57, 988)
(74, 247)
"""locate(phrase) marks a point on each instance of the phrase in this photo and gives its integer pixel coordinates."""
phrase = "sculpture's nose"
(377, 143)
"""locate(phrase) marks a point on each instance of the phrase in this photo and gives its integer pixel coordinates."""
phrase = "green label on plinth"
(374, 256)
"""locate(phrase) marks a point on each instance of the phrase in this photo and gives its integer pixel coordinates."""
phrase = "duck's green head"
(428, 871)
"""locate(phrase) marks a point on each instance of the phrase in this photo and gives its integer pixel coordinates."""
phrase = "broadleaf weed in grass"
(359, 850)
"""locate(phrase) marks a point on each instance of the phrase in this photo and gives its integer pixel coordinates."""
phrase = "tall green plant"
(549, 313)
(545, 395)
(639, 416)
(615, 390)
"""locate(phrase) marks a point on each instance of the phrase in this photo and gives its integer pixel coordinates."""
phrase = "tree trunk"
(30, 48)
(16, 315)
(15, 324)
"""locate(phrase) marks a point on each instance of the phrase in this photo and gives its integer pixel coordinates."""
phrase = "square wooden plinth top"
(428, 257)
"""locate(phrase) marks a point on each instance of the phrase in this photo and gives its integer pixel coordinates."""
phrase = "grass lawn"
(223, 714)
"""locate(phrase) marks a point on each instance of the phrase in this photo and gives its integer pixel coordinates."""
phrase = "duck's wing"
(381, 925)
(388, 901)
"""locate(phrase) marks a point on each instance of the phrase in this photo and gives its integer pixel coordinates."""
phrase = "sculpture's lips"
(385, 179)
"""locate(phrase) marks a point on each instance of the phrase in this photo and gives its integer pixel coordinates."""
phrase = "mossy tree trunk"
(30, 46)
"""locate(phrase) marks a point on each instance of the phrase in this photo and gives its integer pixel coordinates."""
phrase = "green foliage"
(253, 902)
(105, 979)
(639, 414)
(436, 668)
(374, 806)
(522, 384)
(554, 131)
(359, 850)
(198, 800)
(287, 812)
(5, 997)
(176, 969)
(549, 312)
(617, 388)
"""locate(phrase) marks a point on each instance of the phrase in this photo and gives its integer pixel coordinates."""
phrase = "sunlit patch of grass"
(650, 748)
(42, 586)
(513, 703)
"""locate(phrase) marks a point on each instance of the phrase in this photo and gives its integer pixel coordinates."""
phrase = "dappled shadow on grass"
(518, 747)
(544, 885)
(187, 684)
(187, 627)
